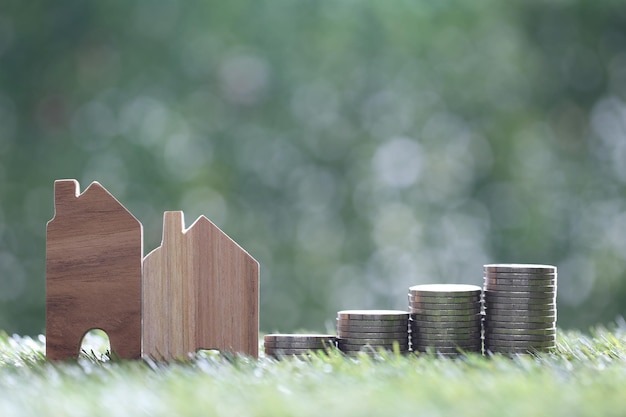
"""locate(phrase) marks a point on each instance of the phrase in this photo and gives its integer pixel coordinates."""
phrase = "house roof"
(67, 191)
(200, 225)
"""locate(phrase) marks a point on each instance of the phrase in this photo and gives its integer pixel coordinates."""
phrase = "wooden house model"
(201, 291)
(94, 248)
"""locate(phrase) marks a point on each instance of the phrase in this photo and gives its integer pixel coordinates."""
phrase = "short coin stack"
(445, 318)
(371, 330)
(520, 308)
(277, 345)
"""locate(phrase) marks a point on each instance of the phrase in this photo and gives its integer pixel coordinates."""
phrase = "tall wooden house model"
(94, 248)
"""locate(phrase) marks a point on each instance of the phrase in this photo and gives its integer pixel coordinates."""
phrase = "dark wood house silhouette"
(94, 250)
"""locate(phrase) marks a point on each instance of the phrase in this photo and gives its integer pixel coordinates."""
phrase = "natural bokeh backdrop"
(353, 147)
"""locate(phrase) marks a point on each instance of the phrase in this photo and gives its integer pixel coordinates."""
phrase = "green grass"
(586, 376)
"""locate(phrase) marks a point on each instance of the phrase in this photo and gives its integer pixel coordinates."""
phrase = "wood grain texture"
(94, 250)
(201, 291)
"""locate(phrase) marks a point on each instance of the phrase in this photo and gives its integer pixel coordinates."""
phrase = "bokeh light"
(353, 148)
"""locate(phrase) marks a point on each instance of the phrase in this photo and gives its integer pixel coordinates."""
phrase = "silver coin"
(521, 350)
(373, 340)
(520, 318)
(283, 355)
(293, 350)
(528, 285)
(519, 334)
(454, 310)
(420, 298)
(371, 351)
(520, 268)
(519, 344)
(454, 337)
(344, 347)
(456, 350)
(280, 353)
(373, 323)
(506, 331)
(443, 306)
(473, 327)
(519, 322)
(517, 351)
(448, 348)
(283, 337)
(378, 330)
(437, 300)
(380, 315)
(517, 325)
(431, 318)
(544, 289)
(518, 293)
(501, 309)
(371, 335)
(520, 282)
(531, 302)
(418, 324)
(469, 332)
(473, 347)
(295, 345)
(299, 345)
(357, 334)
(524, 277)
(447, 356)
(445, 290)
(519, 313)
(427, 332)
(451, 313)
(448, 336)
(446, 342)
(371, 348)
(435, 332)
(531, 307)
(528, 295)
(370, 329)
(494, 337)
(466, 344)
(446, 331)
(310, 341)
(520, 275)
(452, 347)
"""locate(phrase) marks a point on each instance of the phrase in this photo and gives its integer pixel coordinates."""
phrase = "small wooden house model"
(200, 291)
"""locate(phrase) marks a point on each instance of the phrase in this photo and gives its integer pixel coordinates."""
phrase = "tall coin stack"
(520, 308)
(445, 318)
(371, 330)
(277, 345)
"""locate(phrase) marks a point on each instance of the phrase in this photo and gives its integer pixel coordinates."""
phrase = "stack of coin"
(371, 330)
(445, 318)
(278, 345)
(520, 308)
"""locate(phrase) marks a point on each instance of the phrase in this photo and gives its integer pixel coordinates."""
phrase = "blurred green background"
(354, 148)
